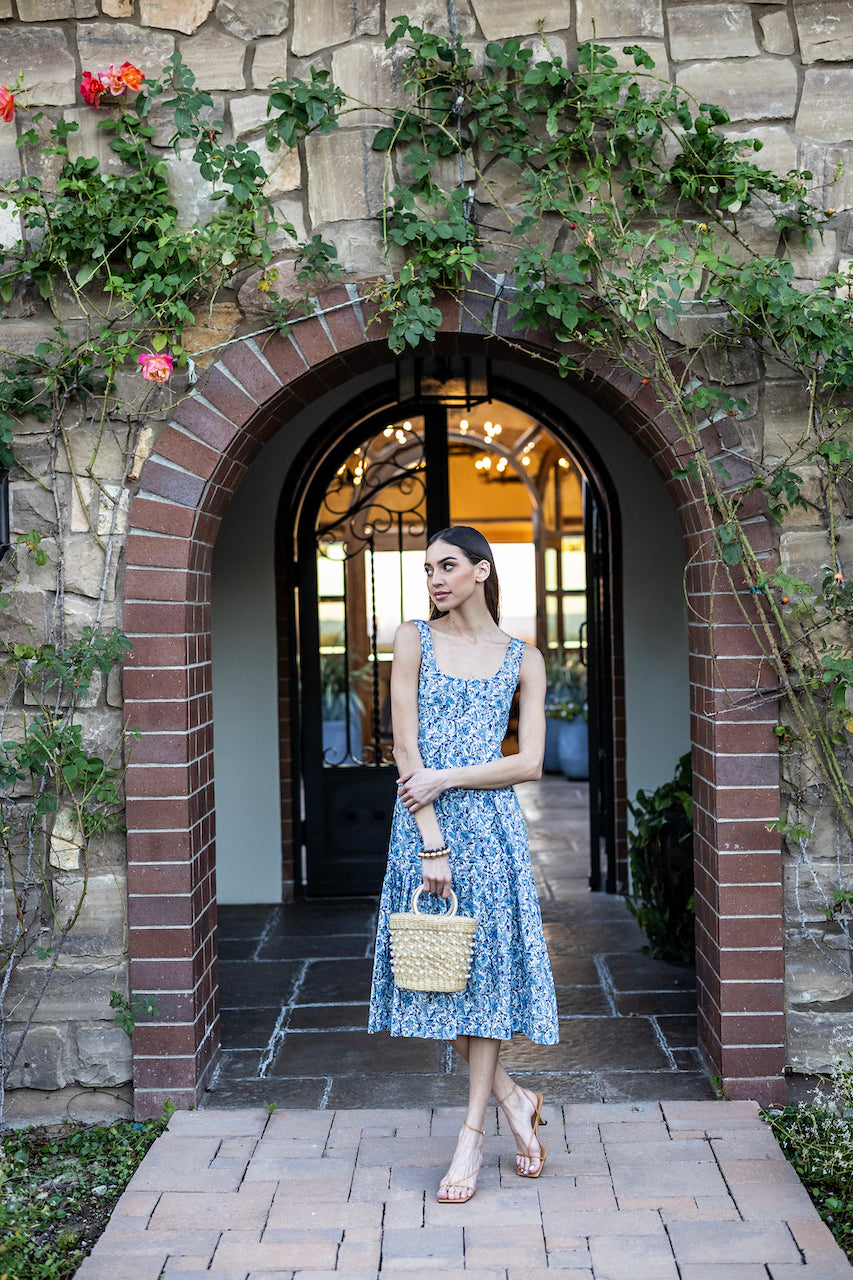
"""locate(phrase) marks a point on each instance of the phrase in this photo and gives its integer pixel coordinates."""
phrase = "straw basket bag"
(431, 953)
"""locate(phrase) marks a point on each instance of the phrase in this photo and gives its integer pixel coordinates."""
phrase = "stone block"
(248, 19)
(826, 105)
(41, 55)
(249, 114)
(214, 326)
(832, 172)
(778, 152)
(86, 570)
(281, 277)
(51, 10)
(786, 417)
(657, 50)
(10, 227)
(66, 841)
(40, 1062)
(360, 248)
(810, 1035)
(5, 9)
(825, 28)
(695, 327)
(102, 1055)
(317, 26)
(100, 43)
(10, 158)
(369, 73)
(191, 194)
(543, 51)
(100, 927)
(78, 990)
(805, 552)
(757, 89)
(283, 167)
(91, 142)
(776, 33)
(292, 211)
(176, 15)
(724, 29)
(270, 63)
(500, 19)
(625, 19)
(345, 176)
(815, 973)
(117, 8)
(215, 59)
(431, 15)
(731, 365)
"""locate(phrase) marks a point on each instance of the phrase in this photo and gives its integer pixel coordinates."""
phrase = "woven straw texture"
(431, 953)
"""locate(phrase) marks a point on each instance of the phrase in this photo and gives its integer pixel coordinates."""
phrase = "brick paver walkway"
(631, 1191)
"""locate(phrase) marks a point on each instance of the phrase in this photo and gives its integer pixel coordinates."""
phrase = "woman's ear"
(484, 570)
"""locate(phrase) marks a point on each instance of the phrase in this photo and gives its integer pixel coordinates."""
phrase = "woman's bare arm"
(421, 786)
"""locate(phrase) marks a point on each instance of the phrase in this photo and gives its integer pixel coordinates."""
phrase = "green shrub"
(660, 849)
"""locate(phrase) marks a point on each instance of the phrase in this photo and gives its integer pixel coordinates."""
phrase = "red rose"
(7, 105)
(91, 89)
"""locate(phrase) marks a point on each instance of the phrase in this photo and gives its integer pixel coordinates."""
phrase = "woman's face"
(451, 577)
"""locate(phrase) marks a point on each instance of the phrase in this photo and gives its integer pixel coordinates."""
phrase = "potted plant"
(566, 720)
(340, 703)
(660, 848)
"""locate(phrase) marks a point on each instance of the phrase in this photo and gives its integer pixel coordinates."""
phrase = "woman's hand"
(419, 787)
(436, 876)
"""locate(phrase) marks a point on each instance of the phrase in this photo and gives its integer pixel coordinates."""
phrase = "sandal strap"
(501, 1101)
(466, 1125)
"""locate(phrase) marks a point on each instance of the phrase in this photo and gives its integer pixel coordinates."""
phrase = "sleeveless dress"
(510, 987)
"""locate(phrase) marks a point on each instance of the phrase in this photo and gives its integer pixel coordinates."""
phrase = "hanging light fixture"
(459, 382)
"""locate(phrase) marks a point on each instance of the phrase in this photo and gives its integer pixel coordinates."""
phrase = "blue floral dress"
(510, 987)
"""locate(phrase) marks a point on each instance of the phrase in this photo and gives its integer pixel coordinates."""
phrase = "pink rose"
(156, 368)
(7, 105)
(112, 80)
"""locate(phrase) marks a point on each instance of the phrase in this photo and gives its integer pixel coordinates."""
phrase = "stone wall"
(783, 71)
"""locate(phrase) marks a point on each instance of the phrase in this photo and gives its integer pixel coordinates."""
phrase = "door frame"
(328, 447)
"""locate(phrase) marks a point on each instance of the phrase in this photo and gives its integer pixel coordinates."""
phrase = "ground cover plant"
(817, 1137)
(58, 1187)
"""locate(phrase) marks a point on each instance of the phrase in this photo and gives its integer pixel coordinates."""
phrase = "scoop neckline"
(468, 679)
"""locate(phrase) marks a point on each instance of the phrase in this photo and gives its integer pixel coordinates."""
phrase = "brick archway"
(184, 490)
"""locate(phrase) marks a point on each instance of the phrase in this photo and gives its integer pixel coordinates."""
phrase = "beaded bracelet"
(434, 853)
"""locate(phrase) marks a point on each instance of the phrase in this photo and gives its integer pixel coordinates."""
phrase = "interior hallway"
(295, 982)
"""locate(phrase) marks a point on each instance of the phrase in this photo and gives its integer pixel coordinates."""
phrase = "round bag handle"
(454, 903)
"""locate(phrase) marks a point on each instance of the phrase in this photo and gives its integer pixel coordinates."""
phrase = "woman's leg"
(517, 1104)
(461, 1178)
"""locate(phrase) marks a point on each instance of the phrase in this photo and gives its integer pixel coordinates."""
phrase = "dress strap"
(427, 651)
(514, 655)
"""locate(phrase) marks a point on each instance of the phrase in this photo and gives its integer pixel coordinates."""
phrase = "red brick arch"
(184, 490)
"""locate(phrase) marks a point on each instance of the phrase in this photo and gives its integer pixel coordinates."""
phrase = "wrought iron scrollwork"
(378, 494)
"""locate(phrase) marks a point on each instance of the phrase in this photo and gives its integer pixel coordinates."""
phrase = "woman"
(457, 824)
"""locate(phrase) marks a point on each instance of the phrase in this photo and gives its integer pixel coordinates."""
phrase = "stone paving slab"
(646, 1191)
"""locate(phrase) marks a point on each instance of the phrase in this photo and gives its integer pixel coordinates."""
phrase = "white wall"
(245, 676)
(657, 686)
(248, 827)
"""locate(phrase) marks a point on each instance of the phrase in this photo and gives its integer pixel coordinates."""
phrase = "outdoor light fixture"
(459, 382)
(5, 541)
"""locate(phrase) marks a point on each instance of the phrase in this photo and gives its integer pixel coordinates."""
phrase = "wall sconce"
(5, 540)
(459, 382)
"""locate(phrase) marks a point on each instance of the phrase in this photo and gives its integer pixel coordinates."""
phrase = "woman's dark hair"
(476, 548)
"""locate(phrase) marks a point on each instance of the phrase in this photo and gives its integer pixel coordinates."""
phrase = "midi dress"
(510, 986)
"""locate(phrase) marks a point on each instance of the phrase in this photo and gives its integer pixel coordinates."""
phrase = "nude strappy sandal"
(535, 1121)
(463, 1182)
